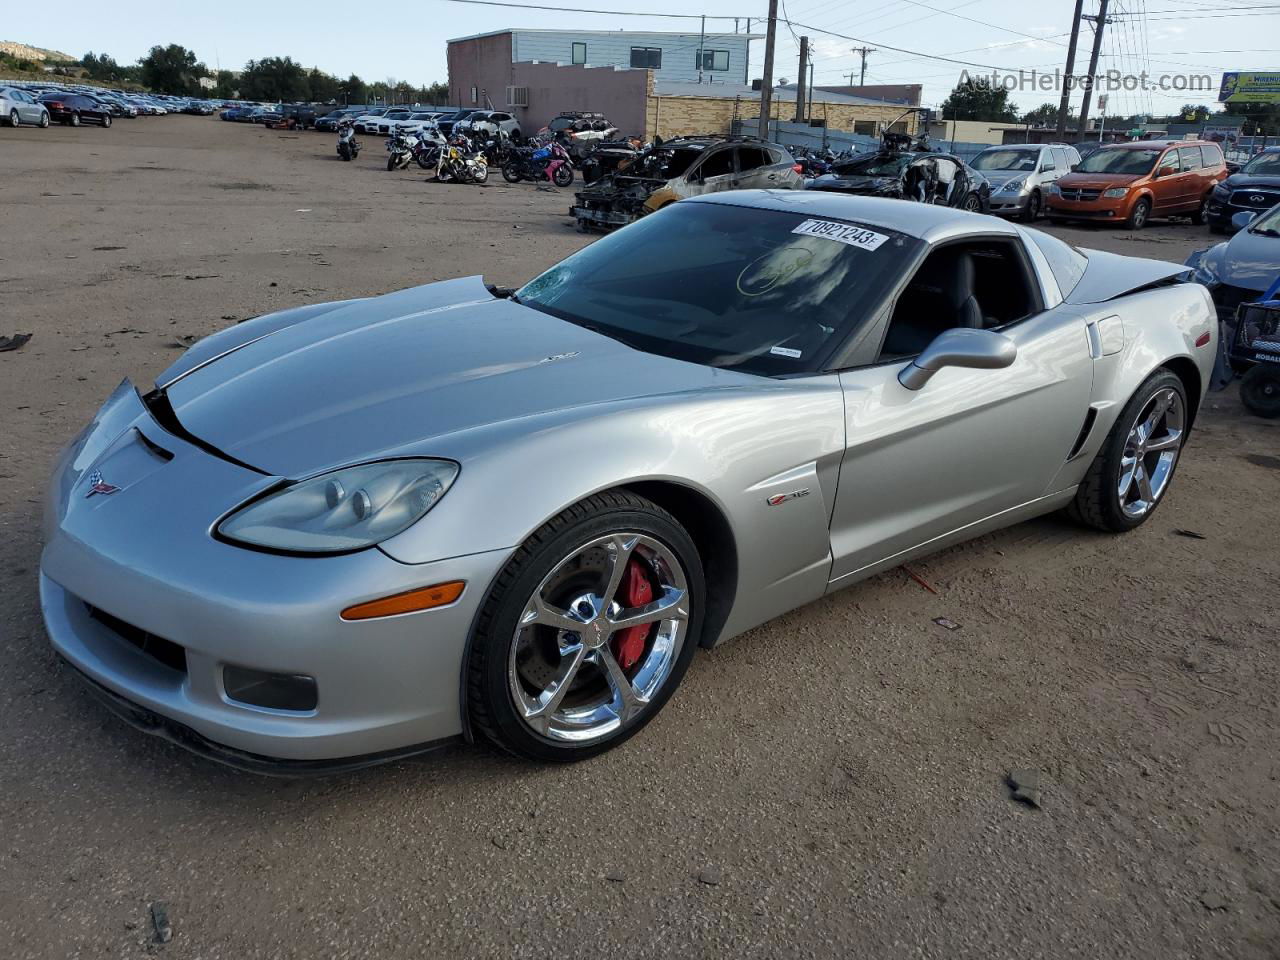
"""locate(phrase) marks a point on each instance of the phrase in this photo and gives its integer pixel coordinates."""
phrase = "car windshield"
(874, 165)
(1268, 224)
(1264, 165)
(1023, 161)
(1120, 161)
(760, 291)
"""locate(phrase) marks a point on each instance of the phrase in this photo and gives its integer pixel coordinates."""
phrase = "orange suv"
(1133, 182)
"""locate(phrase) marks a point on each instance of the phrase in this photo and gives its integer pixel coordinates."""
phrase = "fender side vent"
(1086, 428)
(157, 401)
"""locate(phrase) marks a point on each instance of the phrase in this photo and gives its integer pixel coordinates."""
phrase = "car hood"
(1243, 181)
(1103, 180)
(1249, 260)
(369, 377)
(998, 178)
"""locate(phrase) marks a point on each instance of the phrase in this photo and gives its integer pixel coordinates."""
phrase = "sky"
(1164, 37)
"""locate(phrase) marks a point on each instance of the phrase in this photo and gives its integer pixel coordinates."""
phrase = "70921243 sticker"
(845, 233)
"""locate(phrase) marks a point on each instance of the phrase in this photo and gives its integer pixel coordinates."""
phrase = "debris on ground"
(710, 876)
(615, 876)
(1026, 787)
(1191, 534)
(1214, 902)
(160, 921)
(16, 342)
(919, 579)
(946, 623)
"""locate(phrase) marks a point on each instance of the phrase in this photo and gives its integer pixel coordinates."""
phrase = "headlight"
(1013, 186)
(1054, 188)
(1205, 273)
(344, 510)
(1116, 193)
(1220, 192)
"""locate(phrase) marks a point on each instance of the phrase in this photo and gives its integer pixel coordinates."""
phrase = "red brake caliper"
(637, 590)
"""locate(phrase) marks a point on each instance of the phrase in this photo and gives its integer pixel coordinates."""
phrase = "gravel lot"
(831, 784)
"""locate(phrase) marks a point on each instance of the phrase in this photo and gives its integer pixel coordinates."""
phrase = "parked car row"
(42, 103)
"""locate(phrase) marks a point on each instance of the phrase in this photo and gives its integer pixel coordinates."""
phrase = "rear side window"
(1067, 263)
(751, 157)
(1189, 158)
(1212, 154)
(1062, 158)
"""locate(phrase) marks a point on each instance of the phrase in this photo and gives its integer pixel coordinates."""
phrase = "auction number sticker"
(842, 233)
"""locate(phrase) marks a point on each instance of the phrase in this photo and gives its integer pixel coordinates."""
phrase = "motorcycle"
(426, 150)
(399, 150)
(460, 166)
(539, 163)
(348, 145)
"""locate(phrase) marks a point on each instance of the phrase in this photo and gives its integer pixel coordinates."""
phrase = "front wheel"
(1034, 204)
(1139, 215)
(1260, 391)
(973, 203)
(587, 631)
(75, 119)
(1133, 469)
(1201, 216)
(14, 119)
(44, 120)
(563, 175)
(391, 162)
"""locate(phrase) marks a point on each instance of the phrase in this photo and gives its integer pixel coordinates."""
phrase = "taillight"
(798, 168)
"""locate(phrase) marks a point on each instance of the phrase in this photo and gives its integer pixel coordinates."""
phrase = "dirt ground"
(831, 784)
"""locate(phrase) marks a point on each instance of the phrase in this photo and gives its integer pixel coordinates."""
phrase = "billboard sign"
(1250, 88)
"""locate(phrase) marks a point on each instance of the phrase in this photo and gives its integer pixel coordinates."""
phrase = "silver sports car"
(351, 531)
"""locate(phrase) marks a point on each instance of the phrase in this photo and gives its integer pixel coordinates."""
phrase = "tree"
(975, 98)
(1191, 113)
(324, 88)
(227, 86)
(1264, 118)
(274, 78)
(172, 69)
(1042, 116)
(436, 94)
(354, 90)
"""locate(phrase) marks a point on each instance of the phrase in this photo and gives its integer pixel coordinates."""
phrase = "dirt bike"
(348, 145)
(539, 163)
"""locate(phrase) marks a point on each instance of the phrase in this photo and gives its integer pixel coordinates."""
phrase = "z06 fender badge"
(99, 485)
(780, 498)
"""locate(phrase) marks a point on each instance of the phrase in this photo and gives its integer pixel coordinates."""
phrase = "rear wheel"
(1202, 212)
(511, 173)
(480, 173)
(1139, 215)
(973, 203)
(1132, 471)
(1260, 391)
(106, 119)
(587, 631)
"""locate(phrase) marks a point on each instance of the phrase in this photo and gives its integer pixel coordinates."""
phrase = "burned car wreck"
(682, 167)
(905, 173)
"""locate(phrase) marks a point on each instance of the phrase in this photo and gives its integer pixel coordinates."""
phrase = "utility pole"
(766, 83)
(1098, 23)
(801, 76)
(702, 47)
(862, 51)
(1065, 103)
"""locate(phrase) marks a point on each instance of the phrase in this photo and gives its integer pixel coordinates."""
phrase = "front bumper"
(145, 556)
(1004, 204)
(1103, 208)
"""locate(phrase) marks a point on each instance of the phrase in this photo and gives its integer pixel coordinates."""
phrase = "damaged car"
(937, 178)
(683, 167)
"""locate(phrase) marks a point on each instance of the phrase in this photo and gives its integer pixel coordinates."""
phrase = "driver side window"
(978, 284)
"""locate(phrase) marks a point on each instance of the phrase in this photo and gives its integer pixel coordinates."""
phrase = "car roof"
(927, 221)
(1151, 144)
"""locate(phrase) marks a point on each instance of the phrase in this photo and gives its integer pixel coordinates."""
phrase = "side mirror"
(1242, 220)
(961, 347)
(1075, 167)
(1166, 172)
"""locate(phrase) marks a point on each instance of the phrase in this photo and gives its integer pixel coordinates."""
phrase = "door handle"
(773, 176)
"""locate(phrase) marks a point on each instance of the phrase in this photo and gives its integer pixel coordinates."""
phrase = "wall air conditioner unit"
(517, 96)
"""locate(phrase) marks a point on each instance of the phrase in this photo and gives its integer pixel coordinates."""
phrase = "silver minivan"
(1020, 174)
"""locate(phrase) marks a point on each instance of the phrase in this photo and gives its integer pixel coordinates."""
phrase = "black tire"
(44, 120)
(973, 203)
(14, 119)
(106, 119)
(75, 119)
(1139, 215)
(511, 173)
(1035, 204)
(391, 162)
(489, 700)
(563, 175)
(1096, 503)
(1260, 391)
(1201, 216)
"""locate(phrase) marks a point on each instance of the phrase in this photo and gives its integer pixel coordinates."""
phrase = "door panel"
(971, 443)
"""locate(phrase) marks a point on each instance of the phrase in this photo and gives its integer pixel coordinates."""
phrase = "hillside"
(24, 52)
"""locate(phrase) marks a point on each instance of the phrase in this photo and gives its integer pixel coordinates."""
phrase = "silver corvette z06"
(350, 531)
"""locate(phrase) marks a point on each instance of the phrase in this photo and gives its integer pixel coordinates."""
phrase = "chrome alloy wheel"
(1150, 453)
(563, 670)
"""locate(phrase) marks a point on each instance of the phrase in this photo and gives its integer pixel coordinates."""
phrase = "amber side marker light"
(424, 598)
